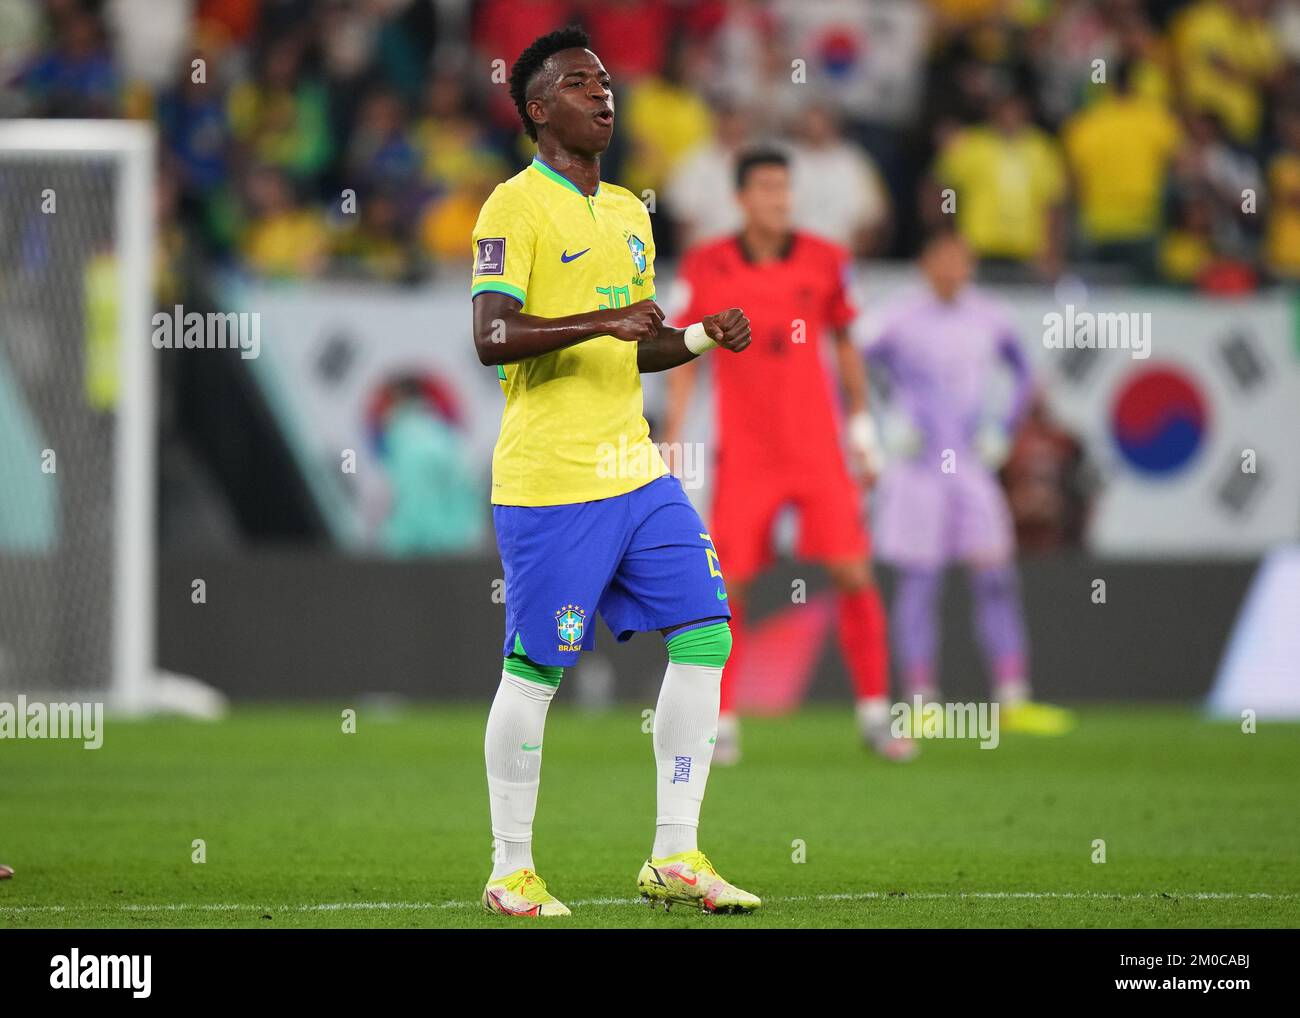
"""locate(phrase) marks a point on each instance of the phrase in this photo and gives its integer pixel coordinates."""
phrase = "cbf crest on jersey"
(637, 246)
(570, 624)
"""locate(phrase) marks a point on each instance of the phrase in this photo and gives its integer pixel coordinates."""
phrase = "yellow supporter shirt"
(1282, 242)
(1184, 255)
(1005, 188)
(1119, 149)
(573, 428)
(666, 122)
(1207, 34)
(293, 243)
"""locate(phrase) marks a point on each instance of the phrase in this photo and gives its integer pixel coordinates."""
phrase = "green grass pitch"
(307, 826)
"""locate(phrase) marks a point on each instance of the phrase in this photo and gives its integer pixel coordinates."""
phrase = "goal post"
(77, 592)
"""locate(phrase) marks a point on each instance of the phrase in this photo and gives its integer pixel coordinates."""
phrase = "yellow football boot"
(688, 878)
(1035, 718)
(522, 893)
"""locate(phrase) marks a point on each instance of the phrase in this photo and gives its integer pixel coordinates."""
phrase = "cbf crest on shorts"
(491, 259)
(570, 624)
(637, 246)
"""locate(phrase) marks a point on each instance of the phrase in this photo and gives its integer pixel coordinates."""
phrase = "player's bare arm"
(853, 371)
(669, 348)
(862, 440)
(503, 334)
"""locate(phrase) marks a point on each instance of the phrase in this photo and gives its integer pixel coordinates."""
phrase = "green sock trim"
(519, 665)
(707, 645)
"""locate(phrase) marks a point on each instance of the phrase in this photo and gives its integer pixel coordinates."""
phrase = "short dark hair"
(530, 62)
(759, 157)
(940, 232)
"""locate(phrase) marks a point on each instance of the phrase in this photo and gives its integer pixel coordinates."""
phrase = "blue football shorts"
(643, 560)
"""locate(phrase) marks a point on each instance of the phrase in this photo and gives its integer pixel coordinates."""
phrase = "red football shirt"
(777, 402)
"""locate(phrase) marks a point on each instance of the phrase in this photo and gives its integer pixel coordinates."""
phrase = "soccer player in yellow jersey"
(588, 518)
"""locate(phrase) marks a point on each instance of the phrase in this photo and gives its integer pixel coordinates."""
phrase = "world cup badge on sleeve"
(491, 260)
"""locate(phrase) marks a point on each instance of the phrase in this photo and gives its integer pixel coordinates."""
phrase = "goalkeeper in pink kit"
(939, 501)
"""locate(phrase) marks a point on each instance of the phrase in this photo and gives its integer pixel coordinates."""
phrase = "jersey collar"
(560, 178)
(782, 255)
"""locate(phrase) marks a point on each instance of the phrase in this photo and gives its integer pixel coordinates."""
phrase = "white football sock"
(872, 713)
(1011, 692)
(686, 721)
(517, 719)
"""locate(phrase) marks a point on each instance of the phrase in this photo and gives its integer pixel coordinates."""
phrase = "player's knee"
(709, 646)
(525, 668)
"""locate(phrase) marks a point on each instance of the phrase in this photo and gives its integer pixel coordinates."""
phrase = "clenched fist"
(729, 329)
(635, 323)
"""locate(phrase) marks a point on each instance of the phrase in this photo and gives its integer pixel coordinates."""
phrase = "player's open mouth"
(605, 117)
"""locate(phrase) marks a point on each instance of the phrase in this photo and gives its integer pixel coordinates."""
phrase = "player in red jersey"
(779, 426)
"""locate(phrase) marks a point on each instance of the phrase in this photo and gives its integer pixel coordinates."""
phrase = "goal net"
(77, 417)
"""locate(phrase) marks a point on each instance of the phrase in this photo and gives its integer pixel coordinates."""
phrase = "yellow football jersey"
(573, 428)
(1006, 188)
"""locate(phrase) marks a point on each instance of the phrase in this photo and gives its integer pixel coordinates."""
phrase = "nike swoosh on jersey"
(566, 257)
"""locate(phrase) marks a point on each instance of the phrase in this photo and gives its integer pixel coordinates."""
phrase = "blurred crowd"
(1149, 142)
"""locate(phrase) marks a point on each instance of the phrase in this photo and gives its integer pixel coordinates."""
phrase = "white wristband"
(697, 340)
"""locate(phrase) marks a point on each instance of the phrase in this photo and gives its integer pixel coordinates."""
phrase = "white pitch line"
(424, 906)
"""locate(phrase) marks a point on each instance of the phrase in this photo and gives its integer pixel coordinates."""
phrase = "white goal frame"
(136, 685)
